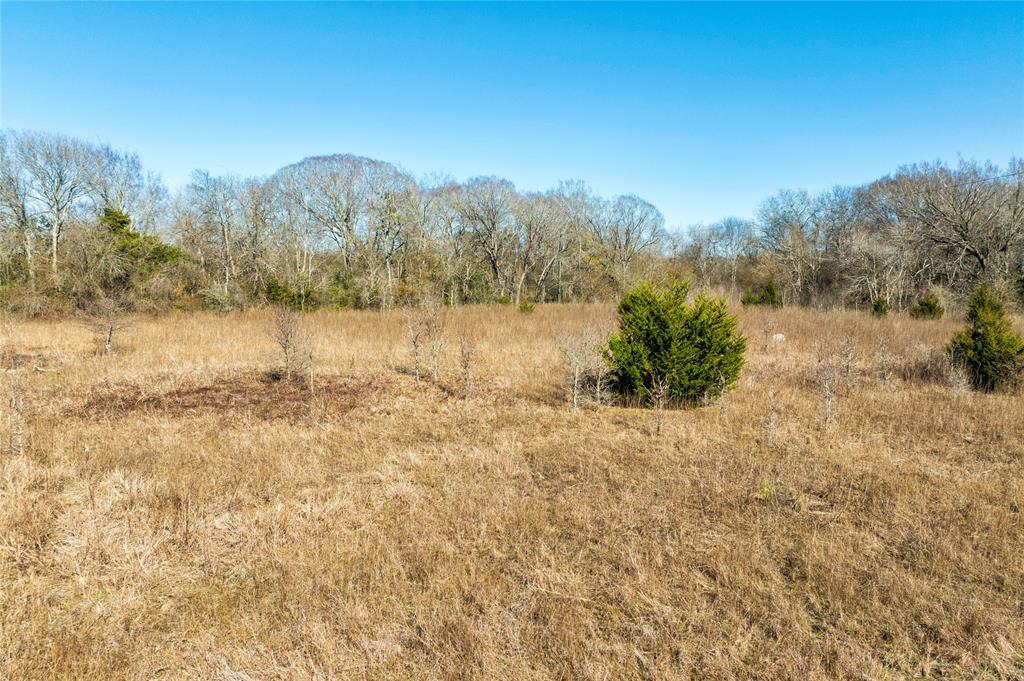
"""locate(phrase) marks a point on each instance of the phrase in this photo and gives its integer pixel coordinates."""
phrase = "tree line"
(82, 223)
(925, 227)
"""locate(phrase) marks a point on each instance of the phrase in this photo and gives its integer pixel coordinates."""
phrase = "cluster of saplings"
(671, 350)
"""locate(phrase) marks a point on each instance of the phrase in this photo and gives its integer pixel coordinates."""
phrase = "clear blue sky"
(703, 109)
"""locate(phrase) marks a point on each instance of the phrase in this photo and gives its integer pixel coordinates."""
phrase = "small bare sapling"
(834, 372)
(425, 326)
(294, 345)
(586, 370)
(106, 318)
(659, 396)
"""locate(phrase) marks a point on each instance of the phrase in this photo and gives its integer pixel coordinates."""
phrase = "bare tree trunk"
(54, 237)
(29, 260)
(226, 245)
(519, 287)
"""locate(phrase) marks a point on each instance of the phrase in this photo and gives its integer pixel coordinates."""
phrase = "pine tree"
(693, 349)
(927, 307)
(765, 294)
(989, 349)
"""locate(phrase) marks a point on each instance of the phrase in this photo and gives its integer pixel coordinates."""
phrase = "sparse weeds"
(771, 422)
(17, 422)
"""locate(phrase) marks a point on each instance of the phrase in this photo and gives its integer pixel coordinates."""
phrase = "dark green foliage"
(341, 293)
(694, 350)
(763, 294)
(526, 307)
(880, 307)
(144, 254)
(927, 307)
(989, 349)
(280, 293)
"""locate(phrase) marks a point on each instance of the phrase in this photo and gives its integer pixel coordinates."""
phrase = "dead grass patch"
(264, 395)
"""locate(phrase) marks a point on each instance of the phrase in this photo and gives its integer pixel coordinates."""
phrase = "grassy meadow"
(177, 510)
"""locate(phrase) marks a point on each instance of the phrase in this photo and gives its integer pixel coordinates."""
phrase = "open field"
(176, 513)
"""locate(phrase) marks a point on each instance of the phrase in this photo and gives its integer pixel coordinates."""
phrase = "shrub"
(526, 307)
(763, 294)
(342, 292)
(927, 307)
(880, 307)
(280, 293)
(693, 351)
(989, 349)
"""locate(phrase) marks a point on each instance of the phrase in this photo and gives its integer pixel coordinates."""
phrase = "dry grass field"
(174, 512)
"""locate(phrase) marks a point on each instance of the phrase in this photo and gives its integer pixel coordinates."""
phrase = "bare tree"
(625, 227)
(60, 168)
(217, 216)
(702, 248)
(116, 180)
(538, 240)
(293, 342)
(971, 217)
(450, 236)
(584, 365)
(486, 210)
(256, 216)
(106, 317)
(16, 215)
(735, 239)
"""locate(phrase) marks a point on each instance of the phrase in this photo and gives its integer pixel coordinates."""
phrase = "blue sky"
(703, 109)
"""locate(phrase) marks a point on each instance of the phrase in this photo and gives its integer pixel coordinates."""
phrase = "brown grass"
(177, 513)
